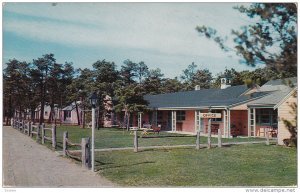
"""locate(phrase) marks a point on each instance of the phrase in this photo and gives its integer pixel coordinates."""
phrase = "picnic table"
(145, 130)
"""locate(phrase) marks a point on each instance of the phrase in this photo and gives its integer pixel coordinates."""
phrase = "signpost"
(210, 116)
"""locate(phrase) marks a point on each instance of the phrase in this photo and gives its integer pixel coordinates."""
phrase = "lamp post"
(93, 101)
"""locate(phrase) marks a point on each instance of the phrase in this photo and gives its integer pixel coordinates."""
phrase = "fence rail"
(32, 130)
(85, 150)
(51, 138)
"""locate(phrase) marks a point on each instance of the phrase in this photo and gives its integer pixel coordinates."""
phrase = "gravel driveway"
(28, 164)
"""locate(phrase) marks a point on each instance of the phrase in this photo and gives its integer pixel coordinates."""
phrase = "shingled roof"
(202, 98)
(278, 91)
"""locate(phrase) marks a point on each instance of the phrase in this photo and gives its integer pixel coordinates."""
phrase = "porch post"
(173, 120)
(197, 120)
(209, 132)
(249, 127)
(254, 121)
(225, 123)
(154, 118)
(229, 129)
(140, 119)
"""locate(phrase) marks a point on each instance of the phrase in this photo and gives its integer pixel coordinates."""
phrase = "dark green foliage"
(272, 40)
(129, 71)
(153, 82)
(27, 85)
(17, 91)
(193, 76)
(171, 85)
(256, 77)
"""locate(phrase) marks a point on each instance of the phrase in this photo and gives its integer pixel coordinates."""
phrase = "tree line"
(28, 85)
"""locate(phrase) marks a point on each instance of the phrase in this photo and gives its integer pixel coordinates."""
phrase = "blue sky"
(162, 35)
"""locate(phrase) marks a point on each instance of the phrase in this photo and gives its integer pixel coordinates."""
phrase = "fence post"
(29, 128)
(198, 140)
(209, 134)
(31, 134)
(43, 134)
(135, 141)
(65, 145)
(38, 132)
(85, 153)
(267, 136)
(23, 126)
(89, 155)
(219, 138)
(54, 136)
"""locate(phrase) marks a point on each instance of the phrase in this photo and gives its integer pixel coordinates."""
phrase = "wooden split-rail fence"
(43, 134)
(39, 131)
(85, 146)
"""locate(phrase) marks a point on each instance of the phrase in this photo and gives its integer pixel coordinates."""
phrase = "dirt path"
(28, 164)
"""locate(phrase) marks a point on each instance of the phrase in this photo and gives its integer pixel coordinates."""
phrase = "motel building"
(241, 111)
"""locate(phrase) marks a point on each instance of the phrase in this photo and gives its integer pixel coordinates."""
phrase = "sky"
(162, 35)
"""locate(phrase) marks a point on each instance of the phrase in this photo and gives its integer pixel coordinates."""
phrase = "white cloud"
(165, 28)
(161, 34)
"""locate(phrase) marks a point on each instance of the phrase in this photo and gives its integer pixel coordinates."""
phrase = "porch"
(262, 121)
(232, 123)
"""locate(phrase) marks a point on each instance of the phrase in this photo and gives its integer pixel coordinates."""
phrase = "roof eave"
(285, 98)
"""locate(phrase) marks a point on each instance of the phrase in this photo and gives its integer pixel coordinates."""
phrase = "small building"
(244, 111)
(69, 113)
(47, 112)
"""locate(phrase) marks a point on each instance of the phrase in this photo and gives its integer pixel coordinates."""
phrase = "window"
(180, 115)
(46, 113)
(217, 119)
(266, 117)
(68, 114)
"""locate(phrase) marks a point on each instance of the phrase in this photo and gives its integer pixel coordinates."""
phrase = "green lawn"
(238, 165)
(115, 137)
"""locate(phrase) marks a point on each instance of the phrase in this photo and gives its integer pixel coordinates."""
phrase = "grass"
(239, 165)
(115, 137)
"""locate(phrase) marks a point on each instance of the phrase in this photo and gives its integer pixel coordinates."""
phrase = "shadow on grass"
(166, 149)
(103, 163)
(123, 165)
(167, 136)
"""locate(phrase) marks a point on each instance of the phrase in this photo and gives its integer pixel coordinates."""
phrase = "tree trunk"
(42, 112)
(99, 119)
(43, 98)
(83, 120)
(128, 120)
(60, 111)
(32, 115)
(10, 111)
(20, 114)
(51, 116)
(7, 121)
(77, 112)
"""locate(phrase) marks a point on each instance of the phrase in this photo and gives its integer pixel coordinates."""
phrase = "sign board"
(210, 115)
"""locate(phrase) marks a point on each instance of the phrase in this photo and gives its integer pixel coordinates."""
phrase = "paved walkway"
(28, 164)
